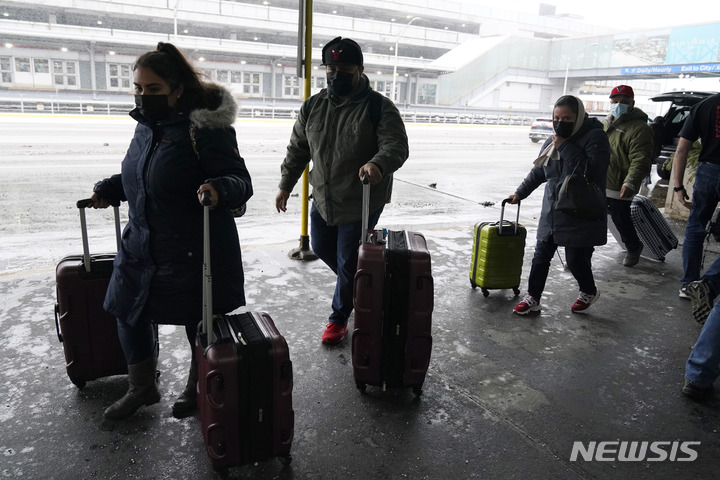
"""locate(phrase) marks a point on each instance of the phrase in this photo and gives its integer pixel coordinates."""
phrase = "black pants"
(620, 213)
(578, 261)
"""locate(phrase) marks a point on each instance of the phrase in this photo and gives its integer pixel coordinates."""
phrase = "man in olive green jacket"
(347, 130)
(631, 145)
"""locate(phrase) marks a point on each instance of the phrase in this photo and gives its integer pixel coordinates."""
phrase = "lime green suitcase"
(498, 251)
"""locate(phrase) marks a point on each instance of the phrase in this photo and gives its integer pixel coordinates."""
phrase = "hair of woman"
(172, 66)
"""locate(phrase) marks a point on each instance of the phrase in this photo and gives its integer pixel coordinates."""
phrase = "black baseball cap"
(340, 51)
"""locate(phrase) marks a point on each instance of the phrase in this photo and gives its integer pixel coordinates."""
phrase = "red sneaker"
(529, 304)
(334, 333)
(584, 301)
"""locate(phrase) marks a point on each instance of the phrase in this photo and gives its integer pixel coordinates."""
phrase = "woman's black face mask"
(153, 107)
(563, 129)
(340, 83)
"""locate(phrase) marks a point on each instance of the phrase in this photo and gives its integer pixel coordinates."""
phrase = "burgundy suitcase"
(88, 333)
(393, 300)
(245, 384)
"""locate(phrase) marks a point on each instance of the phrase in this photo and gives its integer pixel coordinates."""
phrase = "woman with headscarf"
(579, 145)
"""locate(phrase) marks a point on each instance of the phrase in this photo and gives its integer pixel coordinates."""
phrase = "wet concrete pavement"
(505, 397)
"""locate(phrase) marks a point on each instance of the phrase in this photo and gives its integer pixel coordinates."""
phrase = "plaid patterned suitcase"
(652, 228)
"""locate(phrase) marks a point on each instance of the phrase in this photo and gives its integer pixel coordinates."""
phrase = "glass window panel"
(42, 65)
(6, 77)
(114, 82)
(223, 76)
(72, 80)
(59, 80)
(57, 66)
(22, 64)
(236, 77)
(70, 67)
(113, 70)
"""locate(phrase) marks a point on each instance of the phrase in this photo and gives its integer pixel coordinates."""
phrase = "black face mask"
(340, 83)
(563, 129)
(153, 107)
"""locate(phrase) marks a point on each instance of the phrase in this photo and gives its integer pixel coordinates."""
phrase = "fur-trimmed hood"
(222, 116)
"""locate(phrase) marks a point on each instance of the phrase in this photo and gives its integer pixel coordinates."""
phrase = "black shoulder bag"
(581, 198)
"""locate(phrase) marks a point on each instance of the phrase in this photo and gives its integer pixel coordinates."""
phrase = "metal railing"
(410, 114)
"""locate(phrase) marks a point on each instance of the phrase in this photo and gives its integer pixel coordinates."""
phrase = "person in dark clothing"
(703, 122)
(578, 145)
(347, 130)
(184, 144)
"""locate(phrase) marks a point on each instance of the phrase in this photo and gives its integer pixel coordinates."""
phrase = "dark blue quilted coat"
(157, 273)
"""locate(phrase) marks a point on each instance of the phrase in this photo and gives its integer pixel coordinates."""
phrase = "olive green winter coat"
(631, 146)
(339, 139)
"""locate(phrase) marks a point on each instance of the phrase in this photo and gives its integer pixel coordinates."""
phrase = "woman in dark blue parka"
(184, 144)
(579, 145)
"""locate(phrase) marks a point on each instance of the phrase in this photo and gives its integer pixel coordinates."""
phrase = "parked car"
(667, 127)
(540, 129)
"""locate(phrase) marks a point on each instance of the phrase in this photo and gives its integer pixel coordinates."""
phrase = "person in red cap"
(347, 130)
(631, 145)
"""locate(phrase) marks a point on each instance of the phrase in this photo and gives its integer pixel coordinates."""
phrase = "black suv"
(667, 127)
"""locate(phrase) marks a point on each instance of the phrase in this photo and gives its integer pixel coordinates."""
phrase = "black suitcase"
(245, 383)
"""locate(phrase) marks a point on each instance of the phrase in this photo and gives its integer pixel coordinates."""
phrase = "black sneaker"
(697, 393)
(702, 300)
(683, 292)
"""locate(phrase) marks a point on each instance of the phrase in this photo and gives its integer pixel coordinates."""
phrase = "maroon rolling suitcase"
(393, 301)
(245, 383)
(88, 333)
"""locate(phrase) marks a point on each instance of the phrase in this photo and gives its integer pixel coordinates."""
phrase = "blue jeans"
(337, 246)
(706, 194)
(620, 213)
(578, 261)
(703, 365)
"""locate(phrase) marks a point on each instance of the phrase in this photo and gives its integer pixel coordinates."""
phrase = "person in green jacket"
(347, 130)
(631, 145)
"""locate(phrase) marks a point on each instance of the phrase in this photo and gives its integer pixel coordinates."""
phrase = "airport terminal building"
(444, 56)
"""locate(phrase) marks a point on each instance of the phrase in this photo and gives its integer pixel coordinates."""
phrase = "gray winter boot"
(143, 390)
(186, 404)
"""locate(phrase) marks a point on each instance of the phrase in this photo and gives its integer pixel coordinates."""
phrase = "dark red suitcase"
(88, 333)
(245, 385)
(393, 301)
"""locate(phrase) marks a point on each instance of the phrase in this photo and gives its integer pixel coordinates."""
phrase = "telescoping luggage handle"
(207, 317)
(502, 214)
(366, 236)
(82, 205)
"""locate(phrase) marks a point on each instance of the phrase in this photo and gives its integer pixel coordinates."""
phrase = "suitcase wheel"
(361, 386)
(417, 390)
(78, 383)
(286, 459)
(486, 292)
